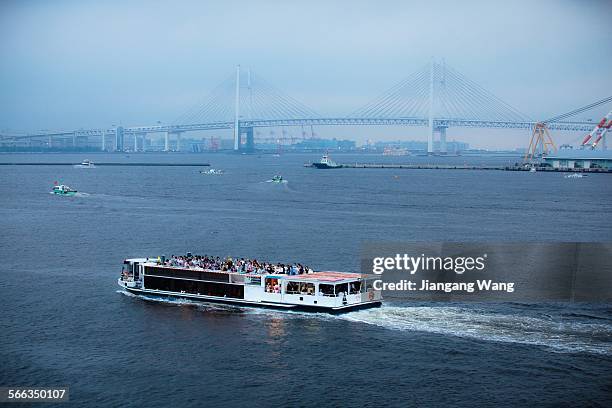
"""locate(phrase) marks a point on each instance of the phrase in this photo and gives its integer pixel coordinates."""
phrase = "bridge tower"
(430, 135)
(240, 130)
(237, 111)
(437, 84)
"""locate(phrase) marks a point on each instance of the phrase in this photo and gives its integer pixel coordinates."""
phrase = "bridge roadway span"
(568, 126)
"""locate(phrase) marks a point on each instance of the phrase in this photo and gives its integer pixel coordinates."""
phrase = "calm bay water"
(65, 322)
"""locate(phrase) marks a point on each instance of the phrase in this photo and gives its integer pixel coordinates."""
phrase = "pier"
(463, 167)
(109, 164)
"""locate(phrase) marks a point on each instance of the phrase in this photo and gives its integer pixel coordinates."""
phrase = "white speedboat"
(575, 176)
(85, 164)
(212, 172)
(277, 179)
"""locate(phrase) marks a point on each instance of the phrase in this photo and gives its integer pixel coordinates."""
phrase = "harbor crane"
(541, 140)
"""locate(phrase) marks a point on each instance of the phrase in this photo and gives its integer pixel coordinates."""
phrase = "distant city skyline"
(69, 65)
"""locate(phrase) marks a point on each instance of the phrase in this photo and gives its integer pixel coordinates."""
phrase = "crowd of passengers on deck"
(228, 264)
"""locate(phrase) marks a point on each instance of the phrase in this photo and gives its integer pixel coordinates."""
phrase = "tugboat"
(61, 189)
(85, 164)
(326, 163)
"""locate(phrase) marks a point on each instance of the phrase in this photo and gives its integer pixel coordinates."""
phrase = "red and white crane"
(598, 132)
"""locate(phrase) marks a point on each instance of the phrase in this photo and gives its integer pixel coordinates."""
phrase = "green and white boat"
(64, 190)
(277, 179)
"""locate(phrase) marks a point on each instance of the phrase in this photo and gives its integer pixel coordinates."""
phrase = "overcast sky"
(72, 64)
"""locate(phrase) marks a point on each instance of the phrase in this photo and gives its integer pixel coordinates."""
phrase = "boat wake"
(277, 182)
(77, 194)
(557, 333)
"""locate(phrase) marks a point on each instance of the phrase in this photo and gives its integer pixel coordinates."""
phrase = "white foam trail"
(561, 336)
(467, 322)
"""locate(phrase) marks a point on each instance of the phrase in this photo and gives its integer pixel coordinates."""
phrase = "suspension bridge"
(436, 97)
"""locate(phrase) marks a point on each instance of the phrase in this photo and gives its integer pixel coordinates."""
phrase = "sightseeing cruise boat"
(332, 292)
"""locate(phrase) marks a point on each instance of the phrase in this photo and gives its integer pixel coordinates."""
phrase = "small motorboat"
(85, 164)
(532, 169)
(575, 176)
(212, 172)
(278, 179)
(64, 190)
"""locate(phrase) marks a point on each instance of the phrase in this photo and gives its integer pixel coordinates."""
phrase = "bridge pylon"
(430, 135)
(237, 111)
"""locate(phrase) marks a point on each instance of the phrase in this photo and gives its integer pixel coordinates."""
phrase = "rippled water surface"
(64, 320)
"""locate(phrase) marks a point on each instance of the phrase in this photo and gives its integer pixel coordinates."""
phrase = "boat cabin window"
(307, 288)
(354, 287)
(341, 288)
(326, 290)
(301, 288)
(272, 285)
(253, 280)
(293, 288)
(369, 285)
